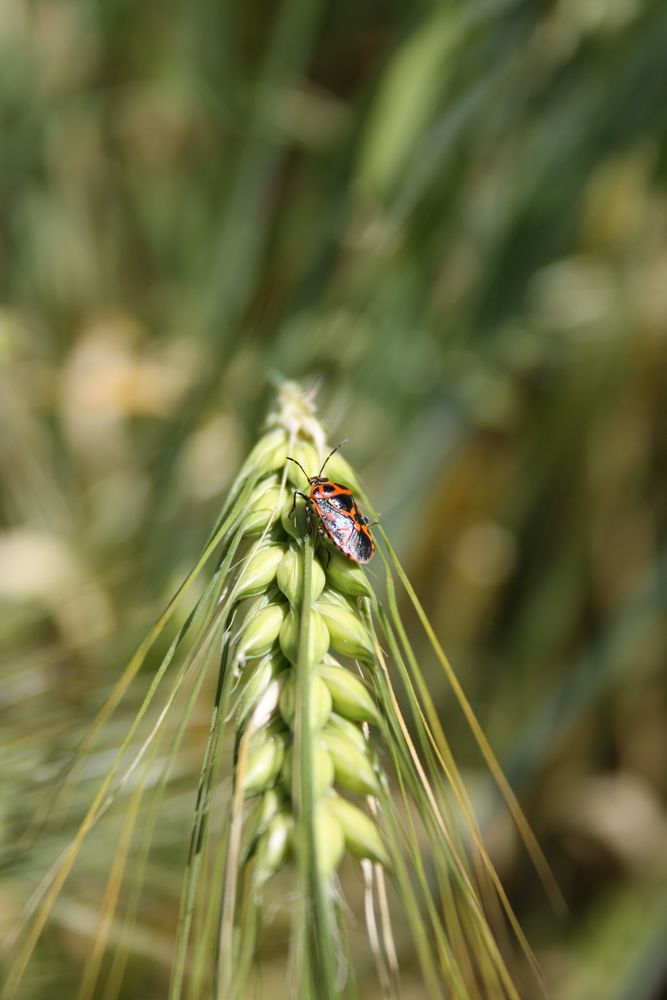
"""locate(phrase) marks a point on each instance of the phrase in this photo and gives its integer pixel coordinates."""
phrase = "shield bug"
(338, 513)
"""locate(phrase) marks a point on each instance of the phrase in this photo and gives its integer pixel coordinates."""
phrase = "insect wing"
(341, 520)
(337, 523)
(360, 545)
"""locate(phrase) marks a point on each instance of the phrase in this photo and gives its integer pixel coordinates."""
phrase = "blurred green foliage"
(454, 217)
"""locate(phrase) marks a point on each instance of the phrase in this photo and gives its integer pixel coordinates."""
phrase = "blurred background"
(451, 217)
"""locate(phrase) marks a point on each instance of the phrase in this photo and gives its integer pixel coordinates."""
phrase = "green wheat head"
(308, 760)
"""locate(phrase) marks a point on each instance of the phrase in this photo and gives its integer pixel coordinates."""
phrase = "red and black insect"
(339, 515)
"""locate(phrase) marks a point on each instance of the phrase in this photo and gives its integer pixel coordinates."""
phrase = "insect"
(340, 518)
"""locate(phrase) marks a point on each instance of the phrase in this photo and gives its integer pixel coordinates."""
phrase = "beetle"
(340, 517)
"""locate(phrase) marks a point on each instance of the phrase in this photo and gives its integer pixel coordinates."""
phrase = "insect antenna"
(332, 452)
(290, 459)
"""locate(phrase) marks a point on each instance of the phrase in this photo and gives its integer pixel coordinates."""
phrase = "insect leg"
(298, 493)
(323, 541)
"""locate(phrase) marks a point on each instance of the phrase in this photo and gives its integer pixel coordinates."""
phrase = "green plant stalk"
(316, 918)
(530, 841)
(198, 827)
(114, 978)
(110, 900)
(445, 759)
(442, 836)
